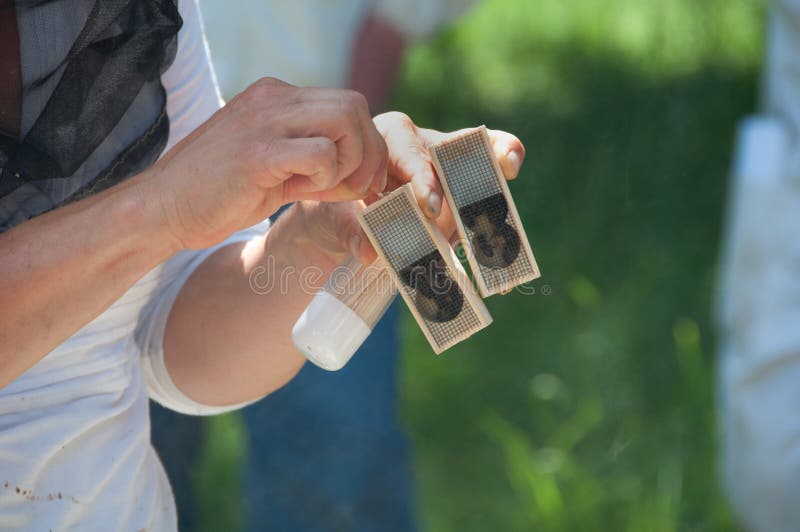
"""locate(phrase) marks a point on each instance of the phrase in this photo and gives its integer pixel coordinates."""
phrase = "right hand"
(272, 144)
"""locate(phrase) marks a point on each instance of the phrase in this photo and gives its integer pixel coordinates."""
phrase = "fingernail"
(365, 187)
(515, 160)
(380, 184)
(384, 181)
(434, 204)
(355, 245)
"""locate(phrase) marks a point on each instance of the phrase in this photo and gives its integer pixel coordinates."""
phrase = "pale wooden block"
(425, 269)
(487, 220)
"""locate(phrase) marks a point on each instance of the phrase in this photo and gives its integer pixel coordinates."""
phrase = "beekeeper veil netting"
(92, 110)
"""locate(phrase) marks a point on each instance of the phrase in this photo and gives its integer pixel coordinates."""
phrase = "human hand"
(334, 228)
(410, 162)
(272, 144)
(320, 233)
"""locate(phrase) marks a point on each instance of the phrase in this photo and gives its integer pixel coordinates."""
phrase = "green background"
(590, 404)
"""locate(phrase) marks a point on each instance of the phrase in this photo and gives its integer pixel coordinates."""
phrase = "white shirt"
(75, 448)
(759, 307)
(306, 42)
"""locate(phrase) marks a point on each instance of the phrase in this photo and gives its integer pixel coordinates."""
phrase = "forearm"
(62, 269)
(228, 336)
(274, 143)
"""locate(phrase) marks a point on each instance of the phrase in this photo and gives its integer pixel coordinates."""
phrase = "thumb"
(352, 236)
(335, 229)
(363, 249)
(310, 163)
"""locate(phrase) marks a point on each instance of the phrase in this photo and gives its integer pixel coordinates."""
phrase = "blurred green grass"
(588, 405)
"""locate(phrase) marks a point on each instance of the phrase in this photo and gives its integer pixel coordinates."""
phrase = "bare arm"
(228, 337)
(273, 144)
(61, 270)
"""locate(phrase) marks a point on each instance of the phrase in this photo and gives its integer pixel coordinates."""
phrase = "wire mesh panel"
(428, 281)
(489, 224)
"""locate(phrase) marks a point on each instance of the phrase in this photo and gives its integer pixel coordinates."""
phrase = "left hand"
(333, 229)
(410, 162)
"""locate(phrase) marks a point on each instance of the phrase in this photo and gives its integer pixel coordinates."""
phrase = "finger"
(298, 188)
(272, 82)
(363, 249)
(260, 85)
(508, 149)
(446, 222)
(371, 175)
(336, 119)
(382, 152)
(409, 161)
(509, 152)
(351, 238)
(354, 106)
(357, 241)
(314, 159)
(370, 199)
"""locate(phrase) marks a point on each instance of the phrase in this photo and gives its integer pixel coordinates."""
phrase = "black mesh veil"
(94, 109)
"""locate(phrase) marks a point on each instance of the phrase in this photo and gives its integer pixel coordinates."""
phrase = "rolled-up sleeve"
(149, 336)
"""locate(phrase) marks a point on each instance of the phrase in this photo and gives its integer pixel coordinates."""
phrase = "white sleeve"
(153, 323)
(192, 97)
(420, 18)
(192, 90)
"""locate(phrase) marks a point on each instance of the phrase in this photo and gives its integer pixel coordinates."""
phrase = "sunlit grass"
(218, 477)
(517, 51)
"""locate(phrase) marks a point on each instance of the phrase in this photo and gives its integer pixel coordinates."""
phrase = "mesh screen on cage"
(428, 275)
(494, 240)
